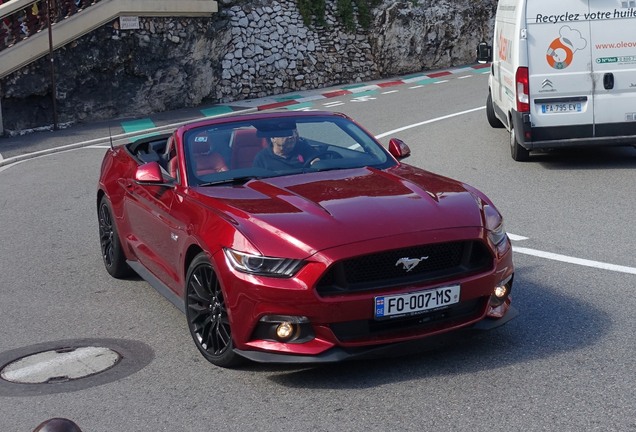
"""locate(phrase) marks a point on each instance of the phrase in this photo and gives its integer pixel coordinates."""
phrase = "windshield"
(236, 152)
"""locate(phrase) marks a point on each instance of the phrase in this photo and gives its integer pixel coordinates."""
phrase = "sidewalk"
(34, 143)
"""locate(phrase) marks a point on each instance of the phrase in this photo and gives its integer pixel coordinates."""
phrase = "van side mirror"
(484, 52)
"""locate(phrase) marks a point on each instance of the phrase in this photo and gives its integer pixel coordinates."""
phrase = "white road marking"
(440, 82)
(567, 259)
(464, 77)
(389, 92)
(414, 125)
(416, 87)
(1, 158)
(333, 104)
(363, 99)
(573, 260)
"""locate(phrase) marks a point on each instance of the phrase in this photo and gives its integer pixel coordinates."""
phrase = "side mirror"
(484, 53)
(150, 173)
(399, 149)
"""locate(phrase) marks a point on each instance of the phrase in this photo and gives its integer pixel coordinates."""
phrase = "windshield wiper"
(233, 180)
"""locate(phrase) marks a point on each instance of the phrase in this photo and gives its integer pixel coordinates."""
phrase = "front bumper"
(339, 354)
(343, 325)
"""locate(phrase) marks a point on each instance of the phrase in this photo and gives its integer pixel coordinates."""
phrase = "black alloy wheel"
(207, 314)
(112, 252)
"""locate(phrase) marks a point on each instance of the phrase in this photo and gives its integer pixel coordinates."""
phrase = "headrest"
(201, 144)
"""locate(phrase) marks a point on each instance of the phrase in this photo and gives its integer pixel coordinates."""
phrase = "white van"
(563, 73)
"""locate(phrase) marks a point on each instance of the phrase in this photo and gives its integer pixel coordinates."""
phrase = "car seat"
(206, 161)
(245, 145)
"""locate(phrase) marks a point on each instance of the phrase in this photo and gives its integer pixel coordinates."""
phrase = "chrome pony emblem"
(410, 263)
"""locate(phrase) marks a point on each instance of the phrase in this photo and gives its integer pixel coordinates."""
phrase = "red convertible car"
(297, 237)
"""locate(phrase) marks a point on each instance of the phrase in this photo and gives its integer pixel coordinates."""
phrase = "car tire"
(517, 151)
(207, 314)
(112, 251)
(493, 121)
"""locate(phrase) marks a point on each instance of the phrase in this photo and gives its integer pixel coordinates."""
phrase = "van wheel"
(493, 121)
(517, 151)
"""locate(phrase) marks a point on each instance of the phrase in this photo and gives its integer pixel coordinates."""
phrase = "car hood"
(315, 211)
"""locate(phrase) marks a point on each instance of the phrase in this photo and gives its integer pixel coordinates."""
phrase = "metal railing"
(20, 19)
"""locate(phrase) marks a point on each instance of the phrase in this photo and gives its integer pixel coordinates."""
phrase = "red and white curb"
(276, 102)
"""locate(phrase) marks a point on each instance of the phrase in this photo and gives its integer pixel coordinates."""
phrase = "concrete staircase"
(86, 20)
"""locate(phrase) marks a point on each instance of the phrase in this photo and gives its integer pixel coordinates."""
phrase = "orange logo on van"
(561, 51)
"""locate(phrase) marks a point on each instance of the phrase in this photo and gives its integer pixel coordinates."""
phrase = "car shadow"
(549, 323)
(587, 158)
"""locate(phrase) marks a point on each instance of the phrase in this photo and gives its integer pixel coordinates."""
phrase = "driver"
(285, 150)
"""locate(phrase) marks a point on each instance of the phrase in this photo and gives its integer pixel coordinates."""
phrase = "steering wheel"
(327, 154)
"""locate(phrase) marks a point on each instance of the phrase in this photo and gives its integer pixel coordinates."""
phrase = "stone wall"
(249, 49)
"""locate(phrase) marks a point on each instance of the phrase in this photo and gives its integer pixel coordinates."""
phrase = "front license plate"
(414, 303)
(561, 107)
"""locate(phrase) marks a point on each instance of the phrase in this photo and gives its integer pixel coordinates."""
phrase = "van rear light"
(523, 90)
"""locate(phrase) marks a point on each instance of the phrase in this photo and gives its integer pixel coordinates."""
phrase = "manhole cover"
(60, 365)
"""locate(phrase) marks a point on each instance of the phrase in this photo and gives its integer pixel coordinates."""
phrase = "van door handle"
(608, 81)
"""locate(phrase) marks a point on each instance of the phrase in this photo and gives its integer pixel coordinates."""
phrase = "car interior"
(216, 149)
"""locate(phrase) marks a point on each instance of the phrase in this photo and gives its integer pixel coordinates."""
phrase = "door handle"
(608, 81)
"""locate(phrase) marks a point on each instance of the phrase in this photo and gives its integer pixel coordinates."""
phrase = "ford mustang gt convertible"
(296, 237)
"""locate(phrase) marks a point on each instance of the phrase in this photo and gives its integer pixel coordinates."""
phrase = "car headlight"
(261, 265)
(494, 225)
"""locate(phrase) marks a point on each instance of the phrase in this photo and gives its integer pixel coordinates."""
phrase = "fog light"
(285, 330)
(501, 291)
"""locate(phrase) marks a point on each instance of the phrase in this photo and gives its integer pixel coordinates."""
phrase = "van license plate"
(417, 302)
(561, 107)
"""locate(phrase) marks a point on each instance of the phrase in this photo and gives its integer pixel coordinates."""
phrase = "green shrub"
(310, 9)
(347, 10)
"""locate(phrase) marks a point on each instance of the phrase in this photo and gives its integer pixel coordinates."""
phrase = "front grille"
(455, 315)
(383, 269)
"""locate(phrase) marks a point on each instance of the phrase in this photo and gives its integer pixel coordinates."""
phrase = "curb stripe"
(357, 89)
(276, 105)
(336, 93)
(390, 83)
(137, 125)
(439, 74)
